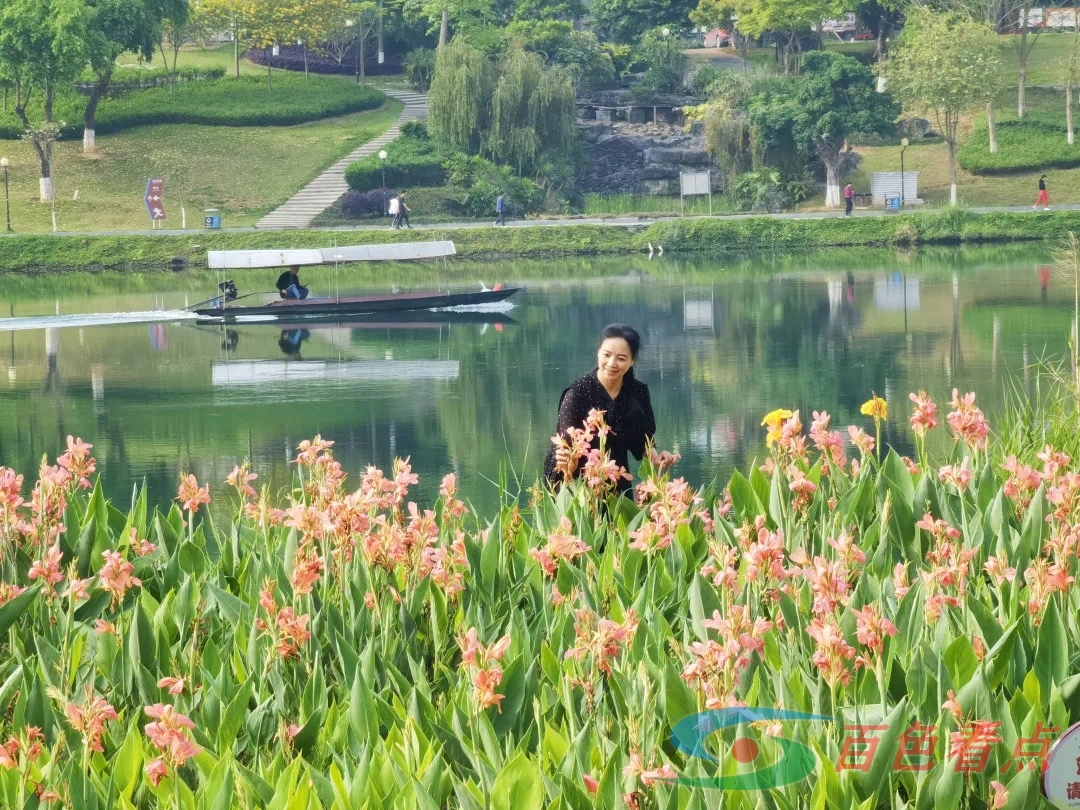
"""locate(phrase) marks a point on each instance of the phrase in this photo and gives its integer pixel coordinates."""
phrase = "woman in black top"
(610, 387)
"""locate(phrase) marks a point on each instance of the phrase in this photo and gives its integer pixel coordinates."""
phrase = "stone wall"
(631, 158)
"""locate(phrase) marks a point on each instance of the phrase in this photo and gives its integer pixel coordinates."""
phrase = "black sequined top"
(630, 416)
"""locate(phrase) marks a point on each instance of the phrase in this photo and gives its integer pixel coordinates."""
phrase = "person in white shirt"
(395, 212)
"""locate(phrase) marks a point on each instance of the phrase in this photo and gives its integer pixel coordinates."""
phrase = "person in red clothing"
(849, 199)
(1043, 198)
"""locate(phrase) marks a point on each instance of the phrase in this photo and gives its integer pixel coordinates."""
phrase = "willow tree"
(532, 110)
(460, 95)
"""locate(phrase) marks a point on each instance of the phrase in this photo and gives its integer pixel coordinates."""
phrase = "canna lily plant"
(909, 625)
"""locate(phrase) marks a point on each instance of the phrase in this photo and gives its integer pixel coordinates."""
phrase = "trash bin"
(212, 218)
(892, 202)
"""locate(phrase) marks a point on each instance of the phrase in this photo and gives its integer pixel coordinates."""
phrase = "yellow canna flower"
(775, 418)
(875, 407)
(774, 421)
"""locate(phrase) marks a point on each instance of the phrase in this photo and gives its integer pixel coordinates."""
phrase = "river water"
(724, 341)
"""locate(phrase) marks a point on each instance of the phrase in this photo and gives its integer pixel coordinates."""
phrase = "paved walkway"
(629, 221)
(322, 192)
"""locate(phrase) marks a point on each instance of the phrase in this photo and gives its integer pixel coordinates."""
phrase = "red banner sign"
(154, 206)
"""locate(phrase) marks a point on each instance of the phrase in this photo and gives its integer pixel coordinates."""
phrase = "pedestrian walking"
(849, 199)
(403, 211)
(1043, 198)
(500, 209)
(395, 211)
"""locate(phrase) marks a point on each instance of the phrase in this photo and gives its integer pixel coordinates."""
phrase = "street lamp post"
(7, 203)
(903, 146)
(382, 163)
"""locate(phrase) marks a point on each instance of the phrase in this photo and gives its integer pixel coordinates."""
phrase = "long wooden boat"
(225, 306)
(356, 304)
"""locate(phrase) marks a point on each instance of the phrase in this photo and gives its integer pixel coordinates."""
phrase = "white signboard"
(695, 183)
(1061, 779)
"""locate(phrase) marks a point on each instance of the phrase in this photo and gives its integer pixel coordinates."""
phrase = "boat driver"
(288, 284)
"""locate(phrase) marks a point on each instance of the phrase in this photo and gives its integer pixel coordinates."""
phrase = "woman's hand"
(562, 457)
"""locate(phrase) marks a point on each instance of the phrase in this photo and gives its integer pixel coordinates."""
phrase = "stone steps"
(322, 192)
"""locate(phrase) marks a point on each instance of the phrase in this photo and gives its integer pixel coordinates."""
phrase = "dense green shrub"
(410, 161)
(126, 79)
(480, 182)
(766, 191)
(1034, 142)
(419, 68)
(240, 102)
(415, 129)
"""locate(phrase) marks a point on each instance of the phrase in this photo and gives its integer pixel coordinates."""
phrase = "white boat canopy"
(397, 252)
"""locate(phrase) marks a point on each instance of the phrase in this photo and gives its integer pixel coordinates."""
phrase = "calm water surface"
(724, 341)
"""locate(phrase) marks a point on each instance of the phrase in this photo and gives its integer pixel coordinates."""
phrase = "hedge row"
(47, 254)
(127, 80)
(1037, 141)
(239, 102)
(410, 161)
(933, 227)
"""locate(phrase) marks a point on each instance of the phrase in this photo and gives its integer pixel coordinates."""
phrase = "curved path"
(322, 192)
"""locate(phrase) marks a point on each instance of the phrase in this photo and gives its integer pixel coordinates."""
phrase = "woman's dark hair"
(627, 333)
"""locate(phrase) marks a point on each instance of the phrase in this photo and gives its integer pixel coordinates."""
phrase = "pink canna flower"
(156, 770)
(863, 441)
(48, 568)
(101, 626)
(8, 592)
(240, 479)
(591, 784)
(116, 577)
(77, 462)
(923, 418)
(1021, 483)
(562, 544)
(600, 640)
(1053, 462)
(959, 477)
(833, 652)
(999, 570)
(174, 685)
(952, 706)
(190, 494)
(999, 796)
(871, 628)
(142, 548)
(309, 451)
(90, 720)
(482, 661)
(900, 581)
(452, 507)
(77, 589)
(169, 733)
(967, 422)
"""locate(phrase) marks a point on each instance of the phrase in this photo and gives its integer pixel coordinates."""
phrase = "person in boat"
(610, 387)
(288, 284)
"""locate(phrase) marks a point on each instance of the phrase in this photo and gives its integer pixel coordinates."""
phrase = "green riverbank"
(45, 253)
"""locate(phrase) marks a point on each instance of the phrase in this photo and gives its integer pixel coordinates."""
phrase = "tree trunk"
(1023, 62)
(992, 126)
(832, 185)
(1070, 136)
(382, 53)
(306, 74)
(952, 169)
(884, 24)
(236, 48)
(96, 92)
(269, 72)
(443, 25)
(360, 59)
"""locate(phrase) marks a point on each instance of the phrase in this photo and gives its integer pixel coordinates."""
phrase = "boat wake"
(494, 306)
(94, 319)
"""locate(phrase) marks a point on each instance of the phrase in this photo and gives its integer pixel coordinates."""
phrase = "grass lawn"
(244, 171)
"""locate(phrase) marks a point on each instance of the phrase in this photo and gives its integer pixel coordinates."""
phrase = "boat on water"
(224, 307)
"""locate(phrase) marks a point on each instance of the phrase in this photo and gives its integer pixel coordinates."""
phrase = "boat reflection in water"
(326, 351)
